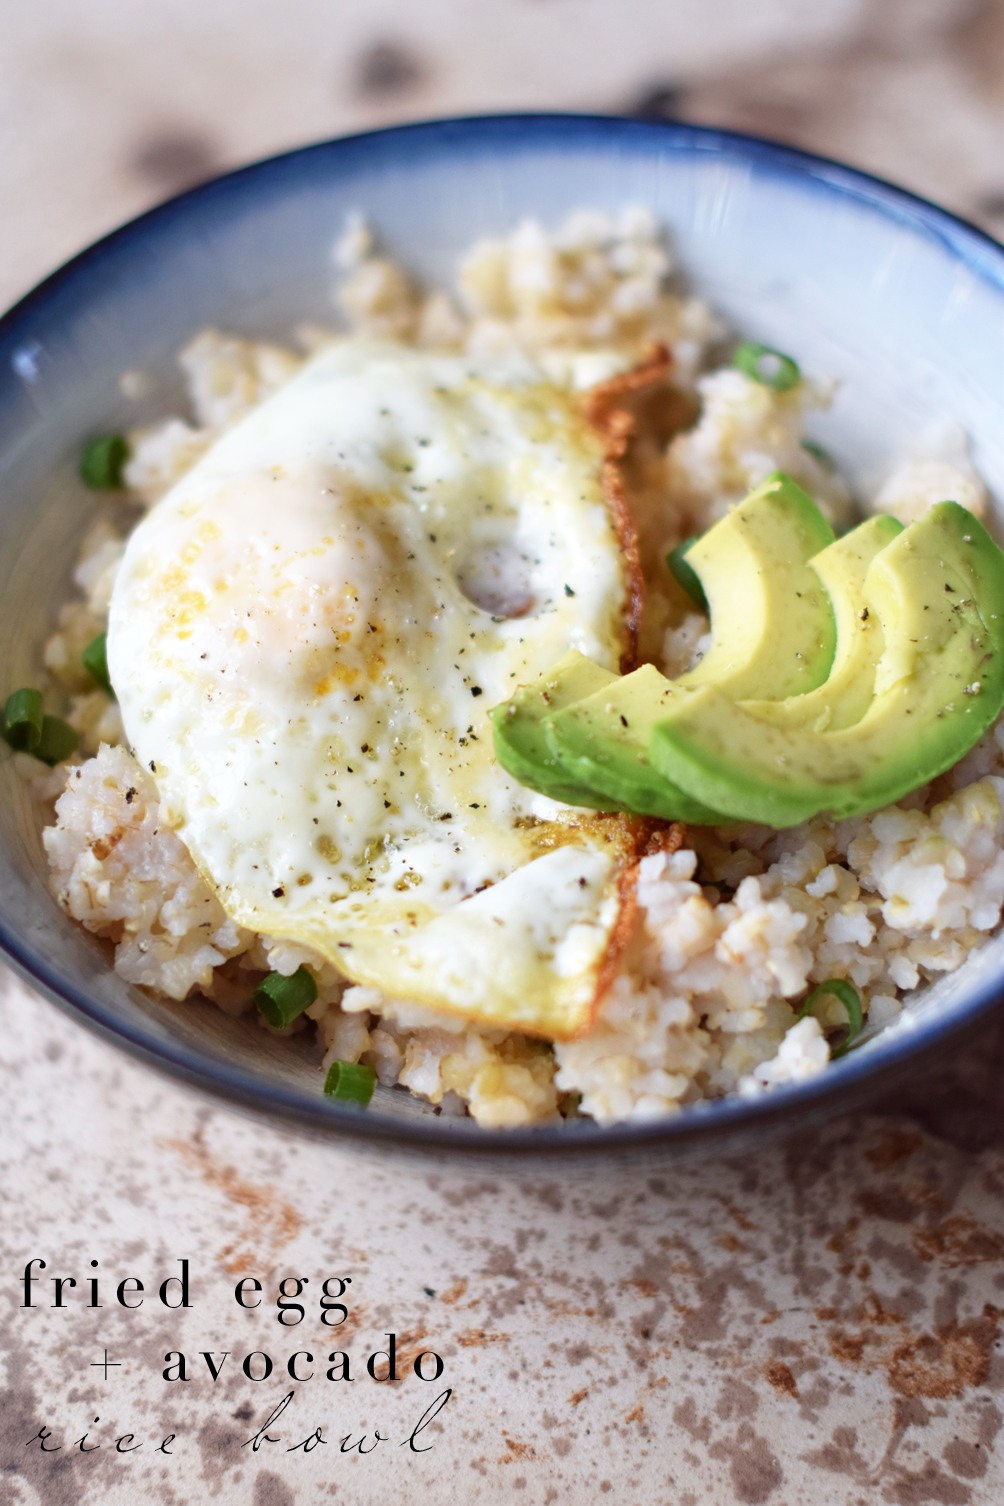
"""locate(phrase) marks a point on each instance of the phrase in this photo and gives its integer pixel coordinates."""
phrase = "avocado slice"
(602, 741)
(938, 592)
(684, 576)
(518, 725)
(773, 635)
(847, 692)
(772, 625)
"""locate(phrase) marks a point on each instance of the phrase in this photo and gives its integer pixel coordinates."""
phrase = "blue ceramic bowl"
(902, 302)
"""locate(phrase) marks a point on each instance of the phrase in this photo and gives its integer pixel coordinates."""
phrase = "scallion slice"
(58, 740)
(282, 1000)
(685, 575)
(769, 367)
(350, 1082)
(22, 720)
(95, 660)
(849, 998)
(101, 462)
(820, 456)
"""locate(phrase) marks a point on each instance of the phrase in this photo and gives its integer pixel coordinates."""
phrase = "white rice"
(705, 1000)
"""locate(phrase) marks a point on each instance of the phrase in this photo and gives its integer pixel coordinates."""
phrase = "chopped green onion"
(282, 1000)
(849, 998)
(685, 575)
(820, 456)
(22, 719)
(29, 730)
(101, 462)
(769, 367)
(95, 659)
(58, 740)
(350, 1082)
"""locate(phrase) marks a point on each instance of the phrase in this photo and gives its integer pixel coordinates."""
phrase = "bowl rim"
(708, 1120)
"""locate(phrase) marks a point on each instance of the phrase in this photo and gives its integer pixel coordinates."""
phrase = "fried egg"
(306, 634)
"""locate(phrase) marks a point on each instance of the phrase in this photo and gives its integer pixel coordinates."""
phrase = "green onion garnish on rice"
(769, 367)
(58, 740)
(282, 1000)
(102, 460)
(29, 730)
(820, 456)
(849, 998)
(685, 575)
(22, 720)
(95, 661)
(350, 1082)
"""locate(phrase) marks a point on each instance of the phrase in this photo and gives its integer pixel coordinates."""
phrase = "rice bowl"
(785, 914)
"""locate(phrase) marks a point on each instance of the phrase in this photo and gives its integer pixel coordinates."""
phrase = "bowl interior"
(900, 303)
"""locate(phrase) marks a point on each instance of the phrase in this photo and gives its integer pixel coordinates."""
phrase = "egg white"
(306, 634)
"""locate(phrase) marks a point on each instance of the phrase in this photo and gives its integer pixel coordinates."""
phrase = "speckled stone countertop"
(815, 1324)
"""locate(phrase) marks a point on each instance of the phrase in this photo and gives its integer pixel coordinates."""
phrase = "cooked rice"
(705, 1001)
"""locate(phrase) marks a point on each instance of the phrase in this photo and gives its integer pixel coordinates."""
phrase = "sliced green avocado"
(684, 576)
(602, 740)
(772, 625)
(773, 633)
(938, 591)
(849, 689)
(519, 731)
